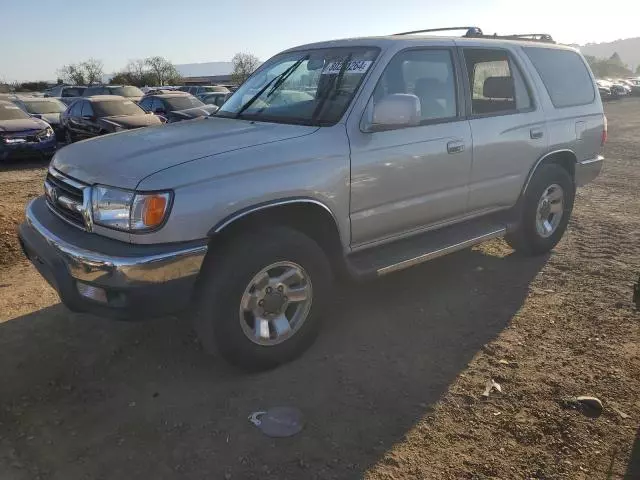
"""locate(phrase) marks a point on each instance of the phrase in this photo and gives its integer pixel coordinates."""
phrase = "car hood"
(132, 121)
(124, 159)
(22, 125)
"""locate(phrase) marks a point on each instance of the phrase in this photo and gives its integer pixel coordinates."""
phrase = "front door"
(407, 179)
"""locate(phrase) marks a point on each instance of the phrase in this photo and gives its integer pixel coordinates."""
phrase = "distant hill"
(204, 69)
(628, 49)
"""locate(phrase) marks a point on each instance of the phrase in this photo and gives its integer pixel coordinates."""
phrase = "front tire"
(545, 211)
(260, 297)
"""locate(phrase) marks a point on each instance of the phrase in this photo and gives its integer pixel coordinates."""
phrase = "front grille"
(68, 191)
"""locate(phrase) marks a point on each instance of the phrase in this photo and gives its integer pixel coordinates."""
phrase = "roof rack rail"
(470, 30)
(475, 32)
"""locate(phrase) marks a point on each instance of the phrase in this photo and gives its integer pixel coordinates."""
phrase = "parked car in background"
(213, 98)
(632, 84)
(176, 106)
(22, 135)
(126, 91)
(199, 89)
(47, 109)
(65, 91)
(93, 116)
(604, 89)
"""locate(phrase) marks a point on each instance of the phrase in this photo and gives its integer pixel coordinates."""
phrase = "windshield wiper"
(276, 81)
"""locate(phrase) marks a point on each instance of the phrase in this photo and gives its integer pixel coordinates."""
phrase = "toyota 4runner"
(361, 156)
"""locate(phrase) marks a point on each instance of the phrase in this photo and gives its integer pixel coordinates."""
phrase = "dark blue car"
(23, 136)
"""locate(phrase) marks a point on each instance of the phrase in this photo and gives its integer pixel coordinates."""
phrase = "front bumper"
(137, 280)
(588, 170)
(28, 150)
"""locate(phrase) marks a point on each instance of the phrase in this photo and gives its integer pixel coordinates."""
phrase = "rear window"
(127, 91)
(108, 108)
(564, 75)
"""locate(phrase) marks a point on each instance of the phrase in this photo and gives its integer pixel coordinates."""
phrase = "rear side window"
(564, 75)
(495, 83)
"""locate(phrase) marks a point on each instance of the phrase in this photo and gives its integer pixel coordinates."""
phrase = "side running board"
(378, 261)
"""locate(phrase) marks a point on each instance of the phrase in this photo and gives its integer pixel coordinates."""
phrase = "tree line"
(612, 67)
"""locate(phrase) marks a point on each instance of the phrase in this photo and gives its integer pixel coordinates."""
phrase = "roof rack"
(475, 32)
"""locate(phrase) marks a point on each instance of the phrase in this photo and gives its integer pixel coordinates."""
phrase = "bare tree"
(137, 70)
(92, 70)
(244, 64)
(163, 70)
(72, 73)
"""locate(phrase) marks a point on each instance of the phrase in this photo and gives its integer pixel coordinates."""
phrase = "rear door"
(406, 179)
(574, 109)
(507, 124)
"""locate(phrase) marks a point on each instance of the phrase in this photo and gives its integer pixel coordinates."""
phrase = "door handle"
(455, 147)
(536, 133)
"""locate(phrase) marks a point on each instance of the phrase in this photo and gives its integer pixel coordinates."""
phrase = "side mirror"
(397, 110)
(87, 117)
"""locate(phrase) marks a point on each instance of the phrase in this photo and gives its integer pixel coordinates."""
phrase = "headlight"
(48, 132)
(127, 210)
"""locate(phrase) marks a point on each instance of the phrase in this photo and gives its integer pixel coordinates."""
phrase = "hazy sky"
(38, 36)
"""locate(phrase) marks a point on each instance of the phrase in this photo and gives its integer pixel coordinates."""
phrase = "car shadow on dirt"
(87, 397)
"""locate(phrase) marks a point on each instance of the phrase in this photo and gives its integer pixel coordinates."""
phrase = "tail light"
(604, 132)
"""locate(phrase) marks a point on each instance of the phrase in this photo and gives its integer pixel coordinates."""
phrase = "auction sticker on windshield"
(355, 66)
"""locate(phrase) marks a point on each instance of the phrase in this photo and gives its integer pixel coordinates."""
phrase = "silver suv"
(361, 156)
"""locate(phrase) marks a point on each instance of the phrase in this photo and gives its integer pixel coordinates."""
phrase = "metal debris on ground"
(278, 421)
(490, 386)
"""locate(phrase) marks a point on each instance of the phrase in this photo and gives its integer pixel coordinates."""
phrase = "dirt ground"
(393, 387)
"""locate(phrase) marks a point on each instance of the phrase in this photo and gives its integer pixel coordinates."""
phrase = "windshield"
(44, 106)
(11, 112)
(311, 87)
(183, 102)
(127, 91)
(116, 107)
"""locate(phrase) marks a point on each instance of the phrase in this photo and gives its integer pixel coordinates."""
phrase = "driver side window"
(429, 75)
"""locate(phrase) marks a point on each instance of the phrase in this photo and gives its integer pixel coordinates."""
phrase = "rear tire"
(228, 284)
(545, 211)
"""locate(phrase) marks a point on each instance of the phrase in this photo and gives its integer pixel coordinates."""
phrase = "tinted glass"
(8, 111)
(76, 109)
(44, 106)
(127, 91)
(183, 102)
(90, 91)
(564, 75)
(73, 91)
(146, 104)
(117, 107)
(87, 109)
(312, 87)
(496, 85)
(427, 74)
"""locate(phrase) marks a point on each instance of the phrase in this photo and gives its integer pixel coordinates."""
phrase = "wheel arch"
(307, 215)
(566, 158)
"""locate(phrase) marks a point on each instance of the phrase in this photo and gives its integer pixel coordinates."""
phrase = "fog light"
(94, 293)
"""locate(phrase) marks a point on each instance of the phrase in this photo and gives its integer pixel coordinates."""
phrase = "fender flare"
(541, 162)
(228, 220)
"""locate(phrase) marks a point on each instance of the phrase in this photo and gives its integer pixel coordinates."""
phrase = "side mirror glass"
(397, 110)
